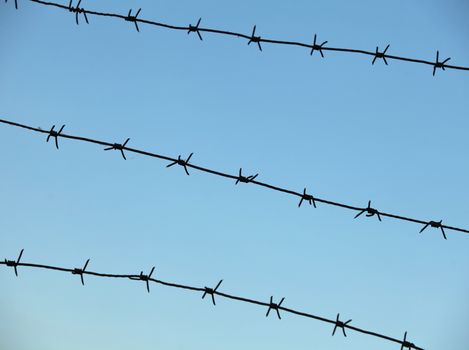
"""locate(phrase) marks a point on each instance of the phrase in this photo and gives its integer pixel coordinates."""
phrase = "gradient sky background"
(347, 130)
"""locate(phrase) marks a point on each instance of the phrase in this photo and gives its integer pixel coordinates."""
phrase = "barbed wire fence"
(303, 196)
(251, 38)
(213, 292)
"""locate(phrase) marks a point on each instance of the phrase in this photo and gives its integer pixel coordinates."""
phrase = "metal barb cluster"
(406, 344)
(380, 55)
(245, 179)
(340, 324)
(55, 135)
(181, 162)
(77, 10)
(212, 292)
(239, 178)
(439, 64)
(369, 212)
(435, 224)
(257, 39)
(274, 306)
(131, 18)
(195, 29)
(317, 47)
(307, 197)
(13, 263)
(146, 278)
(80, 272)
(119, 147)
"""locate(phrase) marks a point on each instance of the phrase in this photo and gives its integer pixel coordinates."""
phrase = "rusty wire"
(240, 178)
(251, 38)
(270, 305)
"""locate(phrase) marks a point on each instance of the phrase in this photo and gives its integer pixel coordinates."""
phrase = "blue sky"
(347, 130)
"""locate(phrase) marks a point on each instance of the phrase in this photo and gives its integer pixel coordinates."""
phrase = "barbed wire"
(252, 38)
(239, 178)
(271, 305)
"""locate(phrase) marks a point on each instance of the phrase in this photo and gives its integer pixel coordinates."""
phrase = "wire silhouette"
(252, 38)
(241, 178)
(16, 3)
(55, 134)
(181, 162)
(77, 10)
(208, 291)
(340, 324)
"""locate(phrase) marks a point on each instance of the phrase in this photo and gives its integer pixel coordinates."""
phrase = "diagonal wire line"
(213, 292)
(303, 196)
(252, 38)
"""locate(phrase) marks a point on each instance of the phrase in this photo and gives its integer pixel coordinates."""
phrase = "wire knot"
(77, 10)
(317, 47)
(211, 292)
(255, 39)
(307, 197)
(380, 55)
(340, 324)
(146, 278)
(77, 271)
(369, 212)
(274, 306)
(118, 147)
(438, 64)
(55, 134)
(195, 29)
(406, 344)
(14, 264)
(133, 18)
(435, 224)
(245, 179)
(181, 162)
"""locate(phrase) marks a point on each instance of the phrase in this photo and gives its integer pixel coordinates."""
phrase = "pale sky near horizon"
(347, 130)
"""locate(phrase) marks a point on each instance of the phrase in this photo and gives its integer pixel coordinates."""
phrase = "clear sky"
(347, 130)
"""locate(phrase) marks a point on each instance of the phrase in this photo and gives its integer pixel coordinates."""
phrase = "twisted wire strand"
(303, 196)
(213, 292)
(437, 64)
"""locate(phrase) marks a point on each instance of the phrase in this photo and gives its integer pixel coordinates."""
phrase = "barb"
(131, 18)
(81, 272)
(181, 162)
(211, 292)
(317, 47)
(245, 179)
(195, 29)
(119, 147)
(238, 178)
(273, 306)
(205, 290)
(55, 135)
(406, 344)
(144, 278)
(340, 324)
(438, 64)
(435, 224)
(380, 55)
(370, 212)
(253, 38)
(307, 197)
(77, 10)
(13, 263)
